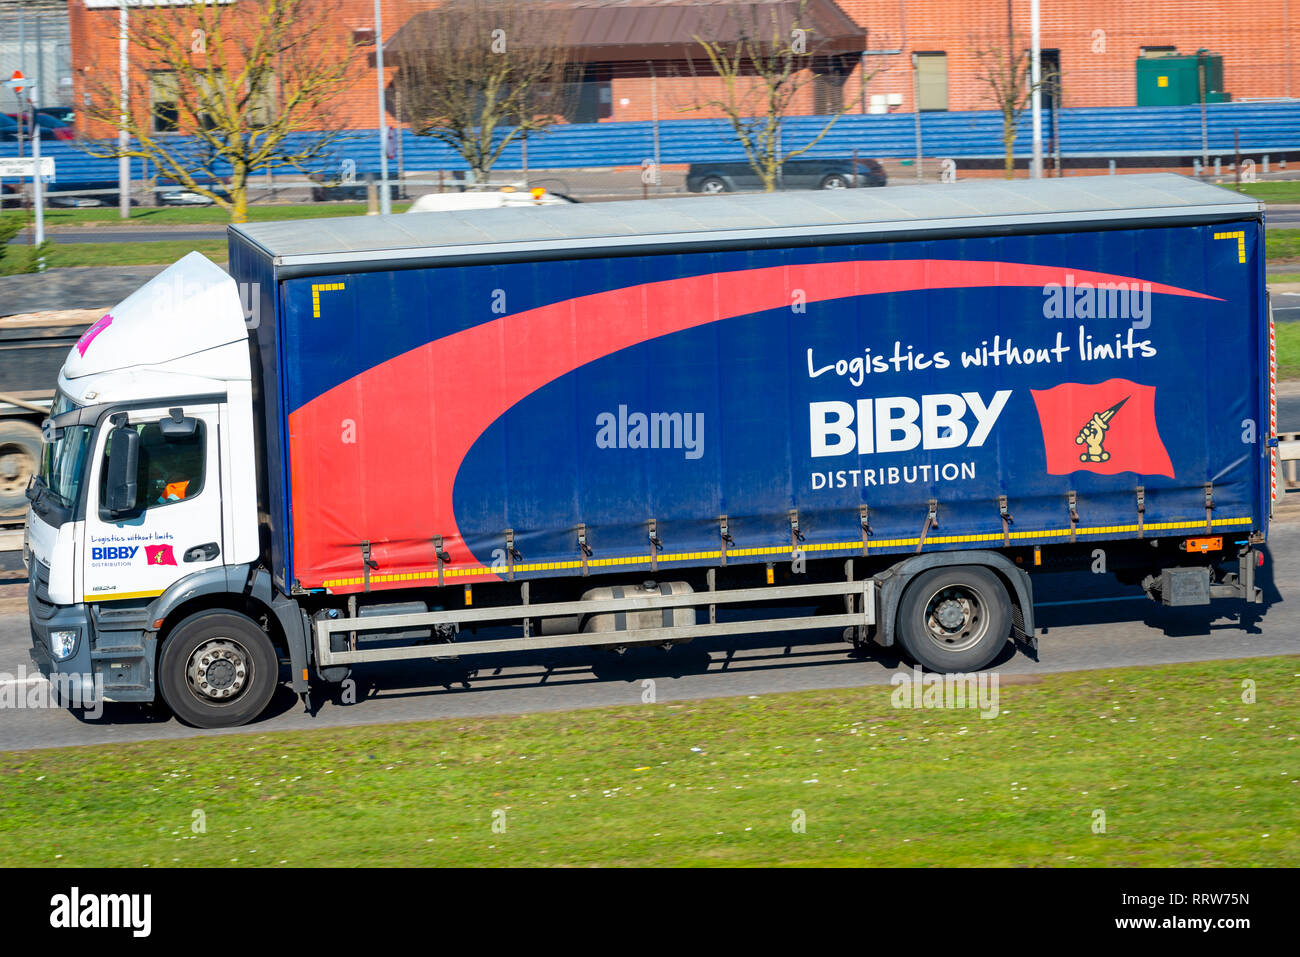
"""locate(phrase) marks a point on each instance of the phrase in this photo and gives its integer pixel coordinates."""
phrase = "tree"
(230, 89)
(480, 74)
(763, 57)
(1004, 75)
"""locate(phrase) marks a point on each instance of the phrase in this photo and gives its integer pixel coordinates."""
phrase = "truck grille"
(39, 589)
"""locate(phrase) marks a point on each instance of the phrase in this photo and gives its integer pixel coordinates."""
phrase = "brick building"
(636, 59)
(94, 33)
(1093, 43)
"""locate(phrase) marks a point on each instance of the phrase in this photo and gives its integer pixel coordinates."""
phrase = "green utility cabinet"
(1173, 80)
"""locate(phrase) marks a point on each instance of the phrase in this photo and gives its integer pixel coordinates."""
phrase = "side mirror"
(123, 461)
(177, 425)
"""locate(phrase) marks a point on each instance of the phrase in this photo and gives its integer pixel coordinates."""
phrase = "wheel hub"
(219, 669)
(955, 618)
(950, 614)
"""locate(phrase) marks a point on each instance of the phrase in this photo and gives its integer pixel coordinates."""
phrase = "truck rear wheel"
(20, 458)
(217, 669)
(954, 619)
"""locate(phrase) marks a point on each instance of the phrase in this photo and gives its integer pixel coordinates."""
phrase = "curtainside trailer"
(489, 431)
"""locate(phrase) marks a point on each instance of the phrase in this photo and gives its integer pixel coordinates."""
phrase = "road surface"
(1286, 305)
(1285, 217)
(1104, 625)
(1288, 413)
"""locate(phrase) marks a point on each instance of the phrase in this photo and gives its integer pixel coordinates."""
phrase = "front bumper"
(74, 675)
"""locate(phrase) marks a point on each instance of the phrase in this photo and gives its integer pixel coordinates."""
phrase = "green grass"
(1276, 277)
(197, 215)
(132, 254)
(1288, 349)
(1273, 191)
(1282, 245)
(1184, 771)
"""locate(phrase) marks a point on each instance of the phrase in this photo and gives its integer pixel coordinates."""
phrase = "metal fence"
(589, 158)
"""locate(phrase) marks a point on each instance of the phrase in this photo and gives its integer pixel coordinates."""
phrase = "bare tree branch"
(763, 59)
(480, 74)
(246, 96)
(1002, 72)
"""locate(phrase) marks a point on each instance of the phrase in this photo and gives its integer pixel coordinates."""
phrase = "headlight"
(63, 644)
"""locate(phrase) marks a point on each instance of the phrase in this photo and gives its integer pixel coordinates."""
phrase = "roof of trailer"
(324, 245)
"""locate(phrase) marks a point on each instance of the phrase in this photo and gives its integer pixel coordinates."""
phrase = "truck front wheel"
(217, 669)
(20, 457)
(954, 619)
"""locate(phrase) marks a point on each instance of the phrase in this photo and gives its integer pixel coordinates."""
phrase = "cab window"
(170, 470)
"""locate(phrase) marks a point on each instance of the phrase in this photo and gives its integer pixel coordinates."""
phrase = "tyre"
(954, 619)
(714, 184)
(217, 669)
(834, 181)
(20, 459)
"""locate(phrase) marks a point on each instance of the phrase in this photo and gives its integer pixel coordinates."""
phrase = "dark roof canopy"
(613, 31)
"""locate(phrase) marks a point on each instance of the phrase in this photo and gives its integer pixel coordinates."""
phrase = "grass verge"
(160, 253)
(1185, 773)
(1272, 191)
(1282, 245)
(1288, 349)
(196, 215)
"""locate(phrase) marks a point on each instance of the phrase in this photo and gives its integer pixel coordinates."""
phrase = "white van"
(494, 199)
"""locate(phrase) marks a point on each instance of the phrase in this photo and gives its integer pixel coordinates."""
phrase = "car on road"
(827, 173)
(183, 197)
(64, 114)
(330, 189)
(51, 128)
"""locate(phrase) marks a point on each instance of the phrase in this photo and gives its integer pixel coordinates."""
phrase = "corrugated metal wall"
(1272, 127)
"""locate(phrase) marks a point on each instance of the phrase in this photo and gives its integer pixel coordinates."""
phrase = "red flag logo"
(159, 555)
(1105, 428)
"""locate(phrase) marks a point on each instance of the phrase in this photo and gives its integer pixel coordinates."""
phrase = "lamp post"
(24, 90)
(38, 193)
(1036, 90)
(123, 138)
(385, 201)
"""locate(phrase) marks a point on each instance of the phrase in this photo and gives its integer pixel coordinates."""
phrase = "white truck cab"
(147, 485)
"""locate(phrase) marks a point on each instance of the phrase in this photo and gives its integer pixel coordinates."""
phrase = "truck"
(31, 354)
(493, 432)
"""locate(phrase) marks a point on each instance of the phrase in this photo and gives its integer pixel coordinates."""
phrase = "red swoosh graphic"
(393, 485)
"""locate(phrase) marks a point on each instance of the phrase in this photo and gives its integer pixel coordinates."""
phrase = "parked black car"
(795, 174)
(330, 189)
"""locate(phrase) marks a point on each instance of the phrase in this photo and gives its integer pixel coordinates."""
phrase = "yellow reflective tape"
(1240, 237)
(782, 550)
(115, 596)
(316, 290)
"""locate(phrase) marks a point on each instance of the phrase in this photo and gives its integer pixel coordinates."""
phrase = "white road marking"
(29, 680)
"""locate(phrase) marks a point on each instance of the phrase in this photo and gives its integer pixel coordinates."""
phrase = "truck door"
(175, 527)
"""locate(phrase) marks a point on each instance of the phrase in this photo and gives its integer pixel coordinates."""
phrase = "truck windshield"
(63, 460)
